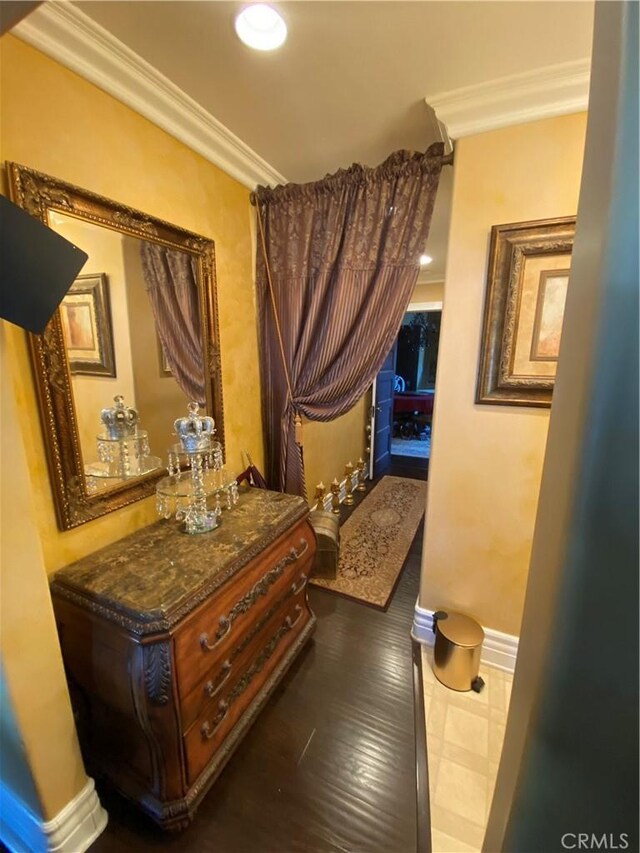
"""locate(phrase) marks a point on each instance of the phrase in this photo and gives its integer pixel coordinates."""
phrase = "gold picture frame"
(528, 275)
(85, 314)
(42, 195)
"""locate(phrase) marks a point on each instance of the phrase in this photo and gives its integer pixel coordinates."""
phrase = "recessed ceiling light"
(425, 259)
(261, 27)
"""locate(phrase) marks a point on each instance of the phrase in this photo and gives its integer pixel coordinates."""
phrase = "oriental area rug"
(375, 541)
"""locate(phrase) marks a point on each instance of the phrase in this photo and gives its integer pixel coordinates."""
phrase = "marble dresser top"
(152, 578)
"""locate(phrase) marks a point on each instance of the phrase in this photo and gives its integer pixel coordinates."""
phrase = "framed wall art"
(529, 265)
(86, 322)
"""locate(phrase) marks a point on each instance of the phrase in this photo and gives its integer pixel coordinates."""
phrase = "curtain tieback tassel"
(298, 430)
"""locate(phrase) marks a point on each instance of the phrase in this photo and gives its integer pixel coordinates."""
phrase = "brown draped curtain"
(344, 256)
(171, 279)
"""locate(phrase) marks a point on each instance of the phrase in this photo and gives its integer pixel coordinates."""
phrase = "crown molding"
(76, 41)
(426, 306)
(546, 92)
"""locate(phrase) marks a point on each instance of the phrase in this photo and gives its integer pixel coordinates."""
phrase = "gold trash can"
(456, 654)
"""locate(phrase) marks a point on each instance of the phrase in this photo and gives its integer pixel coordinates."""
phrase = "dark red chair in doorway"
(412, 413)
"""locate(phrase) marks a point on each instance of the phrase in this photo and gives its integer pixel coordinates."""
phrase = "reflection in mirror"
(112, 338)
(140, 322)
(123, 449)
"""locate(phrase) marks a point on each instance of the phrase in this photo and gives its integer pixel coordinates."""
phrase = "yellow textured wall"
(31, 659)
(58, 123)
(329, 446)
(431, 291)
(486, 464)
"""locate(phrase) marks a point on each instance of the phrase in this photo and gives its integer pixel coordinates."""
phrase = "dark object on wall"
(529, 265)
(37, 268)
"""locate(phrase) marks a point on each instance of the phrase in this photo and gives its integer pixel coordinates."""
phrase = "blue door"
(383, 415)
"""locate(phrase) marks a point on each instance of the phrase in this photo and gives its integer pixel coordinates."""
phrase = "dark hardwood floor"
(329, 765)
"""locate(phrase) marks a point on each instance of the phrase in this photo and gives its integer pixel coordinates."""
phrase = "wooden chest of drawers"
(173, 643)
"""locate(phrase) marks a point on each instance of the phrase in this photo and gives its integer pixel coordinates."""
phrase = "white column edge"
(20, 829)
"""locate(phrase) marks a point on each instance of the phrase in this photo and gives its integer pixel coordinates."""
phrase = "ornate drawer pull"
(295, 589)
(207, 730)
(303, 550)
(288, 621)
(212, 690)
(255, 593)
(223, 630)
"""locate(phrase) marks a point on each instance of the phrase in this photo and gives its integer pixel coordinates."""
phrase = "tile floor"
(464, 741)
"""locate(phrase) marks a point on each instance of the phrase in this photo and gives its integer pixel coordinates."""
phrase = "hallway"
(329, 764)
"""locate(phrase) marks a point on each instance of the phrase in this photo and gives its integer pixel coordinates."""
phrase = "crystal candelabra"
(196, 474)
(123, 448)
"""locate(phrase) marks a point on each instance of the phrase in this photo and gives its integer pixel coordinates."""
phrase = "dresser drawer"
(222, 676)
(213, 630)
(218, 718)
(173, 644)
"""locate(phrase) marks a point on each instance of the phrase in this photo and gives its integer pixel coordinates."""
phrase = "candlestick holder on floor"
(349, 500)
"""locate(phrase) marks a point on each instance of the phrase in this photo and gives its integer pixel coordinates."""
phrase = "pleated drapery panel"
(171, 280)
(344, 256)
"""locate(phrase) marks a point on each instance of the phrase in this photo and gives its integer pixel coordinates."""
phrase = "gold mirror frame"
(38, 194)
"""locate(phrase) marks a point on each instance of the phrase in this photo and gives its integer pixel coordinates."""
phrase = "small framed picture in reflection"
(85, 313)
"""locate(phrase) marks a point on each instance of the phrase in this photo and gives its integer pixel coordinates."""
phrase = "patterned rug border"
(318, 584)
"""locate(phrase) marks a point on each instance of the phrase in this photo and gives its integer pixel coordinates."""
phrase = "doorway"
(404, 393)
(414, 383)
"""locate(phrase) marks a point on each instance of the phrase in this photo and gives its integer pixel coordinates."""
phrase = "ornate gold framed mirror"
(140, 322)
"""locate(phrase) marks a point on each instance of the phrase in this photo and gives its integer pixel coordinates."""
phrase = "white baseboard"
(498, 650)
(78, 824)
(343, 490)
(422, 628)
(72, 830)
